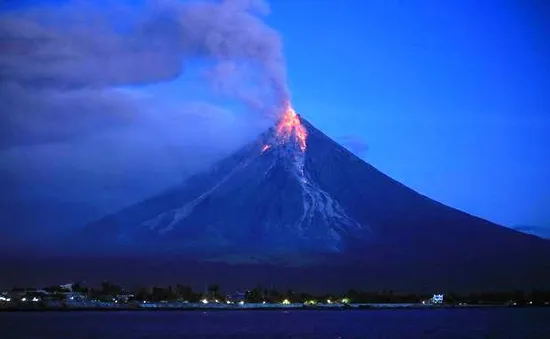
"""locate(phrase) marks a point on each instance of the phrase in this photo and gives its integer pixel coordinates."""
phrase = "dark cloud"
(86, 126)
(91, 54)
(49, 115)
(49, 189)
(60, 67)
(355, 143)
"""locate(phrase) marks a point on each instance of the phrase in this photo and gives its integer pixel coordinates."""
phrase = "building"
(236, 297)
(75, 297)
(67, 287)
(124, 297)
(437, 299)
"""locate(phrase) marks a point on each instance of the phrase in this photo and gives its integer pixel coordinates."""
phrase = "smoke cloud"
(105, 106)
(61, 68)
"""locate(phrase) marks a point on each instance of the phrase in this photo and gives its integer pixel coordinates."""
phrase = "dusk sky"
(448, 97)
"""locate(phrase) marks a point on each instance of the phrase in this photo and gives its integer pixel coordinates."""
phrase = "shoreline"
(361, 307)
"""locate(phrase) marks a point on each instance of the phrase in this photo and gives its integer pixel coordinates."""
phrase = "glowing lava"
(289, 129)
(290, 126)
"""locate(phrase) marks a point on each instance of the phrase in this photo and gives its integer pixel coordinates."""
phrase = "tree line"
(108, 291)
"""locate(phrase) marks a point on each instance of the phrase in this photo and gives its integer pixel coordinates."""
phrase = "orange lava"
(290, 126)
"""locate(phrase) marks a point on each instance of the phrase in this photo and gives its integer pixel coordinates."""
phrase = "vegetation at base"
(109, 292)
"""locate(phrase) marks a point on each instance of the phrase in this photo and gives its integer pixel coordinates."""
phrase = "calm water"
(435, 323)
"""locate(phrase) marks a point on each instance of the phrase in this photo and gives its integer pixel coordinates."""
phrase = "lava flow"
(289, 129)
(290, 126)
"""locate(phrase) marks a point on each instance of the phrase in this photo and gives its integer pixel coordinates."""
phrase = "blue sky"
(450, 96)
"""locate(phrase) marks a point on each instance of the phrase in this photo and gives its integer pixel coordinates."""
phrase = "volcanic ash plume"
(248, 62)
(55, 53)
(244, 47)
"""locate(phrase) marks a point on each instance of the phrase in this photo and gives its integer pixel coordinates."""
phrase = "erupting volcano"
(294, 197)
(290, 127)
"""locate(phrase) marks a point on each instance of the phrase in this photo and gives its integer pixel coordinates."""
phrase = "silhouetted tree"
(162, 294)
(55, 289)
(184, 293)
(142, 294)
(214, 291)
(254, 296)
(108, 289)
(79, 288)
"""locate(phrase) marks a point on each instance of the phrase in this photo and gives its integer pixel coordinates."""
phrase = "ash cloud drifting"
(86, 122)
(61, 68)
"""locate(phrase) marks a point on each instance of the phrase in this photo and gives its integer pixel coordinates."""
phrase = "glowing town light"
(329, 301)
(263, 302)
(345, 301)
(286, 302)
(24, 299)
(228, 302)
(204, 301)
(241, 302)
(35, 299)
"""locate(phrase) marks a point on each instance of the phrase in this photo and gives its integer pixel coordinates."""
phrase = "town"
(108, 296)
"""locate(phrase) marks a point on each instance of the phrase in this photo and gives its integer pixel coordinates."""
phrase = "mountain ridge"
(243, 211)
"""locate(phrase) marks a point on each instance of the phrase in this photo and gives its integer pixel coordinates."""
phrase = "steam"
(235, 36)
(85, 116)
(57, 54)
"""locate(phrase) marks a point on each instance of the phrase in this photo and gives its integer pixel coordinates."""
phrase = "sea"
(391, 323)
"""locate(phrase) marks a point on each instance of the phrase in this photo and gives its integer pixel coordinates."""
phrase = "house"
(124, 297)
(236, 297)
(67, 287)
(437, 299)
(75, 296)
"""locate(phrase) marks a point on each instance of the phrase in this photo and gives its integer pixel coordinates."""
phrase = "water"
(426, 323)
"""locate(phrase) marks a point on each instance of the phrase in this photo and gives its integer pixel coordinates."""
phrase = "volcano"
(280, 209)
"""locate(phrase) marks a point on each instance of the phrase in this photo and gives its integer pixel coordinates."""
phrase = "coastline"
(251, 307)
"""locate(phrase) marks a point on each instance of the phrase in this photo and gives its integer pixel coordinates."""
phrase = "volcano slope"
(318, 218)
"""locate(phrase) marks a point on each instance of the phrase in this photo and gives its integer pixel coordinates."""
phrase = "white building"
(437, 299)
(68, 287)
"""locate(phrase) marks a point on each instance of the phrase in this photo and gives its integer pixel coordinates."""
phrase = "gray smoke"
(61, 69)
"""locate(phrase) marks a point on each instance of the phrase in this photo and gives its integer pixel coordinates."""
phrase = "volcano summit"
(266, 200)
(294, 202)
